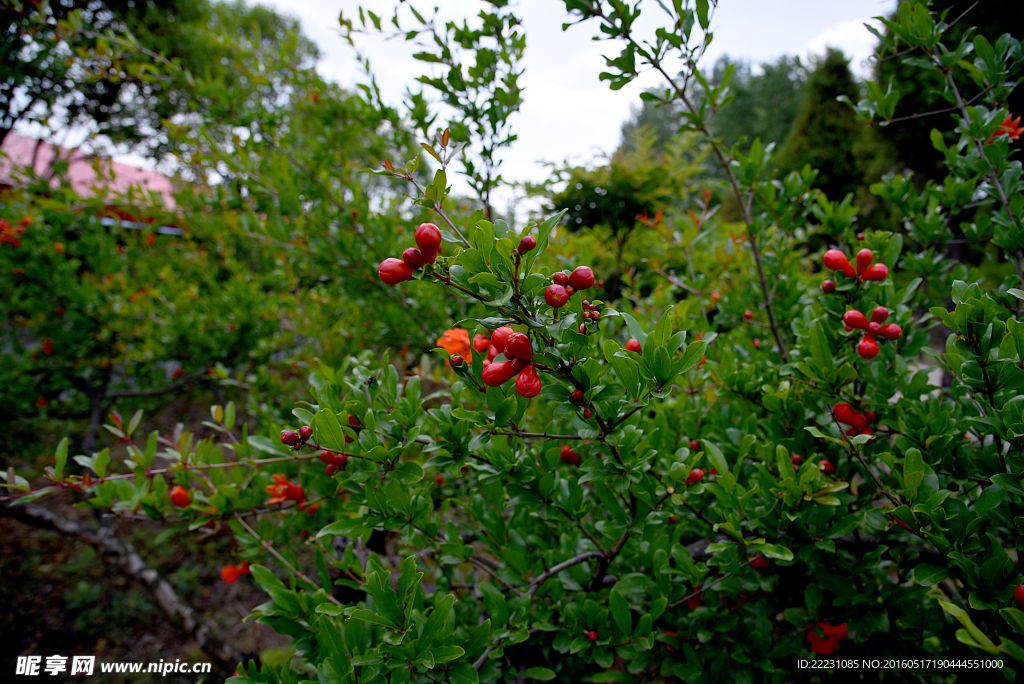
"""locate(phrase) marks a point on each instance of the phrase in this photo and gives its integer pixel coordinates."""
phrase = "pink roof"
(20, 151)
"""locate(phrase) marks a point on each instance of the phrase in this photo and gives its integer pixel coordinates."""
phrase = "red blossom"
(824, 645)
(282, 490)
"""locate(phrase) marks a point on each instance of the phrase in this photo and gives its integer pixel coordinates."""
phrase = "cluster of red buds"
(519, 353)
(859, 422)
(563, 285)
(868, 346)
(428, 242)
(569, 456)
(837, 261)
(9, 233)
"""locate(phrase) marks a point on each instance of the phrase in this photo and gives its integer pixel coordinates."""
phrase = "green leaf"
(101, 463)
(820, 349)
(913, 472)
(702, 13)
(715, 456)
(264, 578)
(539, 673)
(976, 634)
(330, 609)
(620, 612)
(776, 551)
(61, 457)
(1014, 617)
(444, 654)
(328, 430)
(435, 622)
(370, 616)
(929, 575)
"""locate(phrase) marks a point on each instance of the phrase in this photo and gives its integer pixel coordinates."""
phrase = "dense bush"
(748, 466)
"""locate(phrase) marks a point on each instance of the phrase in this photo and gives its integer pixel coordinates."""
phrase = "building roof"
(19, 151)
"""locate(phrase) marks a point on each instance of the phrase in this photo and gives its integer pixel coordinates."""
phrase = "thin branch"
(281, 559)
(548, 574)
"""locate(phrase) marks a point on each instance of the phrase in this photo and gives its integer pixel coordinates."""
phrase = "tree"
(827, 134)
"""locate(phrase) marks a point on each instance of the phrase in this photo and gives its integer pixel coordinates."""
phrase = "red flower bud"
(796, 459)
(748, 315)
(438, 480)
(569, 456)
(519, 347)
(827, 467)
(582, 278)
(413, 258)
(592, 635)
(394, 271)
(587, 414)
(891, 331)
(876, 272)
(528, 383)
(870, 416)
(481, 343)
(456, 360)
(583, 328)
(864, 259)
(760, 563)
(860, 236)
(828, 286)
(874, 328)
(498, 374)
(879, 314)
(847, 416)
(633, 345)
(499, 338)
(527, 244)
(560, 278)
(556, 296)
(756, 342)
(428, 239)
(290, 437)
(577, 395)
(867, 348)
(855, 319)
(694, 445)
(569, 290)
(695, 476)
(305, 432)
(180, 497)
(837, 261)
(1018, 596)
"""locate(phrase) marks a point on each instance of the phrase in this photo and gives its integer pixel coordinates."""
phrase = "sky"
(568, 113)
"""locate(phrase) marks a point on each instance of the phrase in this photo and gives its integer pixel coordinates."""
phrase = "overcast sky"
(567, 112)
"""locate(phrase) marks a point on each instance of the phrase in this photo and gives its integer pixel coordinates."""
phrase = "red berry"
(587, 413)
(876, 272)
(438, 480)
(456, 360)
(694, 445)
(760, 563)
(756, 342)
(633, 345)
(569, 456)
(837, 261)
(577, 395)
(891, 331)
(855, 319)
(394, 271)
(290, 437)
(326, 456)
(428, 239)
(714, 471)
(860, 236)
(595, 315)
(569, 290)
(796, 459)
(499, 338)
(560, 278)
(305, 432)
(828, 286)
(566, 450)
(879, 314)
(556, 296)
(867, 348)
(499, 373)
(672, 518)
(847, 416)
(413, 258)
(592, 635)
(528, 383)
(527, 244)
(518, 347)
(696, 475)
(582, 278)
(827, 467)
(870, 416)
(180, 497)
(864, 259)
(330, 470)
(481, 343)
(748, 315)
(1018, 596)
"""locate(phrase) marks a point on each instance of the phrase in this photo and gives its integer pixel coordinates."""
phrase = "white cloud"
(852, 38)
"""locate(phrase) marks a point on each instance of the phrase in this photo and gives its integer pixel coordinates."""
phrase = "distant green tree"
(828, 135)
(40, 81)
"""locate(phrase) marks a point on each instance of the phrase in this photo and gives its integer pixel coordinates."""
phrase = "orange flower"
(455, 341)
(1010, 127)
(824, 645)
(231, 573)
(58, 247)
(283, 490)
